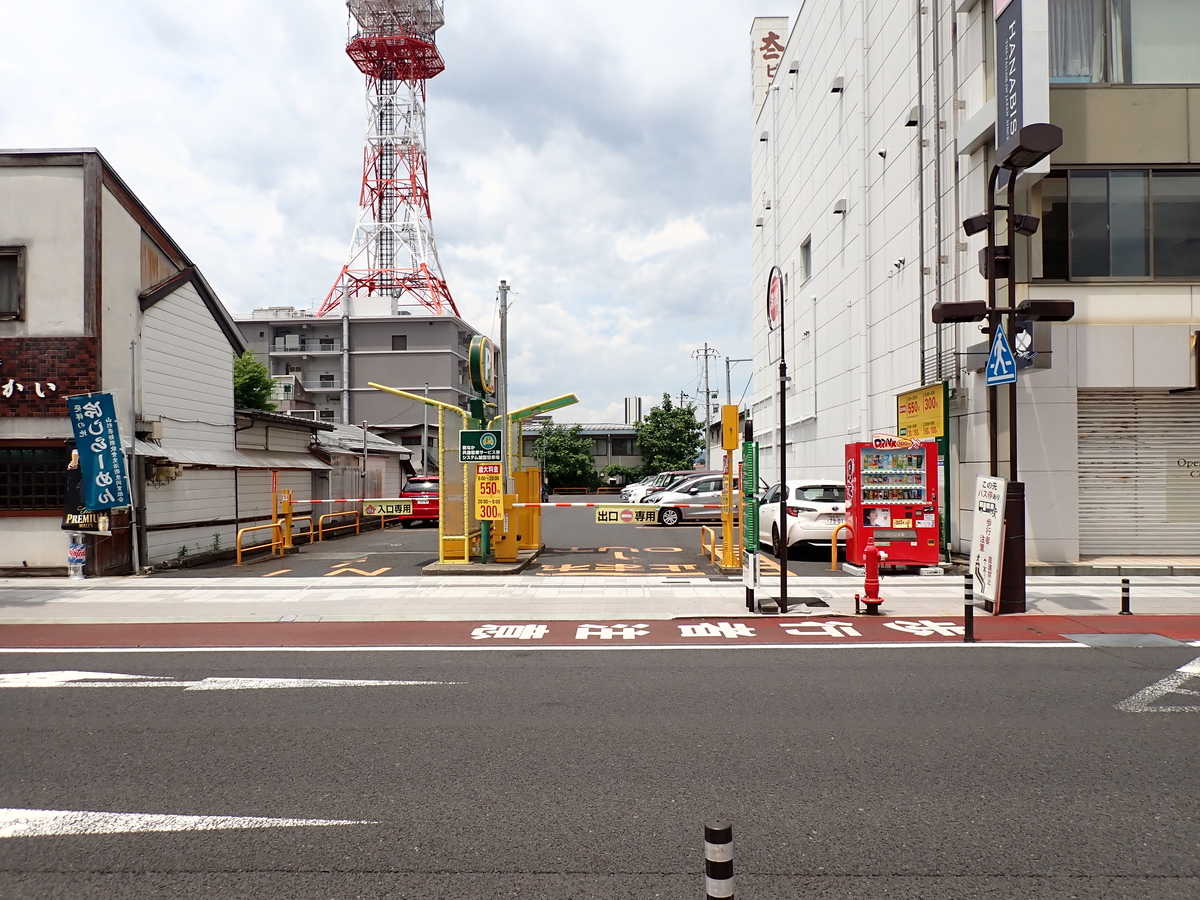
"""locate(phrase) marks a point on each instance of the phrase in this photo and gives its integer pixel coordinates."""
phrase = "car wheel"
(668, 515)
(776, 546)
(407, 523)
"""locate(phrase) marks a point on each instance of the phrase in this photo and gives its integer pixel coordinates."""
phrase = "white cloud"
(594, 153)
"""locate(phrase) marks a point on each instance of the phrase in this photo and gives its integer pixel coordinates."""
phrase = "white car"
(628, 492)
(815, 506)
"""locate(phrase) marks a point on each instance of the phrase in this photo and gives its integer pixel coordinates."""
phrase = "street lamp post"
(1035, 142)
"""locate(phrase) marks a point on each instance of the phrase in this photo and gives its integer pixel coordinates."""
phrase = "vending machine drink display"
(891, 496)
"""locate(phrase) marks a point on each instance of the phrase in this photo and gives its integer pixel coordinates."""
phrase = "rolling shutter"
(1138, 451)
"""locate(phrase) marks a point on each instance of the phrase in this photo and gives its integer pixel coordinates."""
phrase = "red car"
(423, 489)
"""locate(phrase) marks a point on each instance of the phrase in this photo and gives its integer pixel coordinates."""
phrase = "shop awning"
(228, 459)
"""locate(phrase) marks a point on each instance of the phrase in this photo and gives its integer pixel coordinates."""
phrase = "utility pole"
(728, 388)
(425, 433)
(706, 354)
(506, 451)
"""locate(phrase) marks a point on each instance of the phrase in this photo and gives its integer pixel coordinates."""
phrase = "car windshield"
(422, 485)
(821, 493)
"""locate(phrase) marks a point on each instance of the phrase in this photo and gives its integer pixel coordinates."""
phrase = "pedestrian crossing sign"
(1001, 364)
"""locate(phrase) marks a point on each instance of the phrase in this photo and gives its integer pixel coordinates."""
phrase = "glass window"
(823, 493)
(1177, 224)
(33, 478)
(1155, 41)
(399, 341)
(11, 288)
(806, 260)
(1109, 214)
(623, 447)
(600, 446)
(1055, 243)
(1076, 41)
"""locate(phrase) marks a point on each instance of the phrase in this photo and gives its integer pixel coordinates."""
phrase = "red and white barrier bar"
(628, 505)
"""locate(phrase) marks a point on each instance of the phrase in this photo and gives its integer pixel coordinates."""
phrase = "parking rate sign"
(489, 505)
(479, 446)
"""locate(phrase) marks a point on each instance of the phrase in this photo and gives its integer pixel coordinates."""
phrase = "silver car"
(675, 505)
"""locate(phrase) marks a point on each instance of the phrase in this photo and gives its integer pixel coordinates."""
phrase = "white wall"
(42, 208)
(33, 541)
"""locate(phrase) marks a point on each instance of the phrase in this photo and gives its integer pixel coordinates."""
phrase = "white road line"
(1172, 684)
(55, 822)
(112, 680)
(475, 648)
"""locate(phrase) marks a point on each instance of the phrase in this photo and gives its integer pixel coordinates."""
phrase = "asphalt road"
(937, 774)
(575, 545)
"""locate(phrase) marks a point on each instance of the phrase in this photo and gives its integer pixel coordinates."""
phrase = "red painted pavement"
(828, 630)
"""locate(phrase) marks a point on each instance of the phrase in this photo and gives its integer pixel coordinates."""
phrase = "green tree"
(566, 456)
(669, 437)
(252, 383)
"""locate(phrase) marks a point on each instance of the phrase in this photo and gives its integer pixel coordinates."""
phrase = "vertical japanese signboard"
(987, 542)
(101, 459)
(489, 506)
(749, 495)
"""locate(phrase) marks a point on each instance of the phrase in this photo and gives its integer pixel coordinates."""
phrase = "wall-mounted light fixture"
(839, 208)
(914, 116)
(839, 85)
(763, 136)
(793, 67)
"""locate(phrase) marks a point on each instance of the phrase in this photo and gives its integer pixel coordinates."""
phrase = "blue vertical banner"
(101, 459)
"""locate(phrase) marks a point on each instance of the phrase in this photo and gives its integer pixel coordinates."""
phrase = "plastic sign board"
(922, 413)
(1001, 364)
(614, 514)
(749, 495)
(398, 507)
(482, 363)
(729, 427)
(987, 541)
(101, 459)
(479, 446)
(489, 493)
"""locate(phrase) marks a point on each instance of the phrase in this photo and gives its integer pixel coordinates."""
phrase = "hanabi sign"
(987, 542)
(489, 504)
(101, 459)
(626, 515)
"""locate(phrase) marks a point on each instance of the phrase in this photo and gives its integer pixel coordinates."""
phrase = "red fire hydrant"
(872, 557)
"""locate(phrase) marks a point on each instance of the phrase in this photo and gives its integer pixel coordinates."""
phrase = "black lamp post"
(1034, 143)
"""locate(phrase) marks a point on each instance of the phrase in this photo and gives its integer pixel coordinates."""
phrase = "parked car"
(815, 507)
(423, 489)
(674, 504)
(627, 492)
(657, 483)
(677, 478)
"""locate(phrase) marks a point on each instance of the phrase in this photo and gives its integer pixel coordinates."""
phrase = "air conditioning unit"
(162, 474)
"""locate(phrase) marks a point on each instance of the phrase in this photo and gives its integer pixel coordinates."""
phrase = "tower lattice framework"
(392, 252)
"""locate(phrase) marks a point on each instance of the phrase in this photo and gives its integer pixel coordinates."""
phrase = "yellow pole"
(287, 520)
(728, 557)
(441, 485)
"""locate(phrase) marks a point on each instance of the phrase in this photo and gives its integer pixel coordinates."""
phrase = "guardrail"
(308, 534)
(275, 543)
(356, 524)
(708, 543)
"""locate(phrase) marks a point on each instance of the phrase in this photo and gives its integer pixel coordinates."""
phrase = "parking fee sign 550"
(489, 505)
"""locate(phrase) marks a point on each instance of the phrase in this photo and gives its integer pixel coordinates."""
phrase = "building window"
(328, 381)
(623, 447)
(12, 283)
(1124, 41)
(33, 479)
(600, 446)
(805, 261)
(410, 440)
(399, 341)
(1128, 224)
(527, 445)
(327, 415)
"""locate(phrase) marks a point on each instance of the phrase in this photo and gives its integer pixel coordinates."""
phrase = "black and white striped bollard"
(969, 609)
(1125, 611)
(718, 861)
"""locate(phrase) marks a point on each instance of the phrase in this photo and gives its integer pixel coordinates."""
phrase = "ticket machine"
(891, 497)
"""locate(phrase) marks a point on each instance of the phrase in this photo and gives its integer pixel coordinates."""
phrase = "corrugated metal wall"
(1136, 490)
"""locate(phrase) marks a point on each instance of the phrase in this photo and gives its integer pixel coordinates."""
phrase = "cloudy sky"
(593, 153)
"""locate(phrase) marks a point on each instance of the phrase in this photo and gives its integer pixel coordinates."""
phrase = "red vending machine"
(891, 496)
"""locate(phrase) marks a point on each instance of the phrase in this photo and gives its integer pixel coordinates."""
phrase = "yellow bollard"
(287, 521)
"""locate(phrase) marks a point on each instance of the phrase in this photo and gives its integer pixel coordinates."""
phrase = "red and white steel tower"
(392, 252)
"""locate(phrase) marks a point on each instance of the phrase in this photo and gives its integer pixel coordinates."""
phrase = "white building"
(872, 138)
(96, 296)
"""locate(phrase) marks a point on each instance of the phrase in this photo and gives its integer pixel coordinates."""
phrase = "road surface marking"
(113, 679)
(55, 822)
(359, 572)
(1172, 684)
(276, 572)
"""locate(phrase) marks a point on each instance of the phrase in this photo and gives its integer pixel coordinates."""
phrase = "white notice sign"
(987, 544)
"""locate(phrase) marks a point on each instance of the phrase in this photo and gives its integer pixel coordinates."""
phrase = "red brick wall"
(67, 363)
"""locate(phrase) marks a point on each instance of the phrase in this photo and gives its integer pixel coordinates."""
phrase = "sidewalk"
(529, 598)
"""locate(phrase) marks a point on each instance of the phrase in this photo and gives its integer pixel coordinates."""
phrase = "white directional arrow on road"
(53, 822)
(113, 679)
